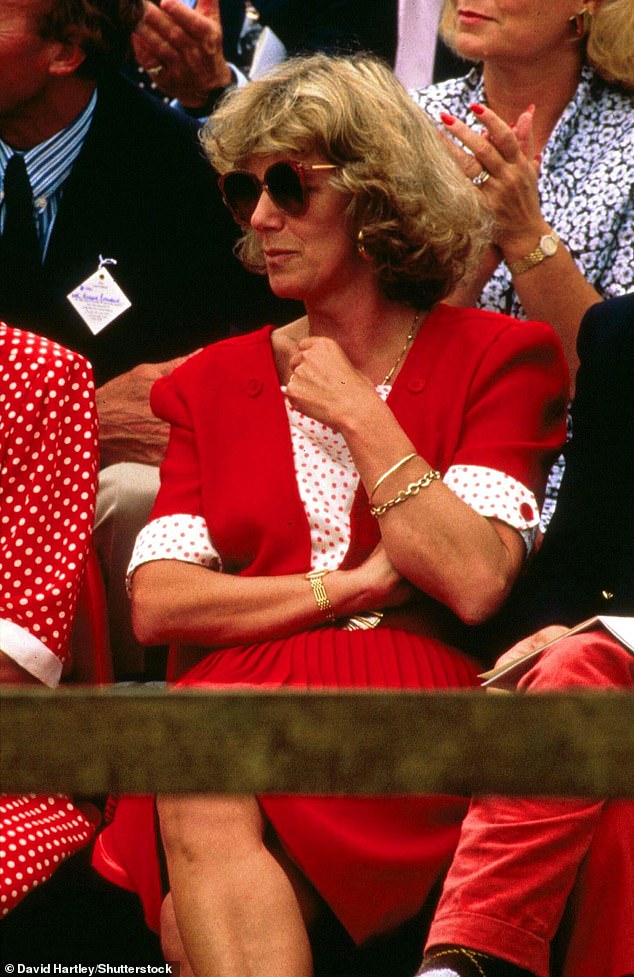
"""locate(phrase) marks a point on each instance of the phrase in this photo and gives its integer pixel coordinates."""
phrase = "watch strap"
(534, 257)
(316, 580)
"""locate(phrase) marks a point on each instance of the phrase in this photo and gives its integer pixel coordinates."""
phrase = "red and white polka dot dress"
(48, 470)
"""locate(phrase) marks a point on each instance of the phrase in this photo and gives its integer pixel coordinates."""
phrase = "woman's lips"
(276, 256)
(471, 17)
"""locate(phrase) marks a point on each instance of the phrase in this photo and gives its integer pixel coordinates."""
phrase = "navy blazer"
(142, 193)
(586, 563)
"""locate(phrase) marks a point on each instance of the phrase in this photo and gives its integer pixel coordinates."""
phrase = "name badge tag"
(99, 300)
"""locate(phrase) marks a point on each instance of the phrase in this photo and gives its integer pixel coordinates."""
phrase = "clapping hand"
(181, 49)
(503, 164)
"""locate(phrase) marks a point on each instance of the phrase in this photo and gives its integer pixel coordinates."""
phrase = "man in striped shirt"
(118, 185)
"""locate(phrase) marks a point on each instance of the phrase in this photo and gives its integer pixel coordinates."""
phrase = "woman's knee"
(209, 826)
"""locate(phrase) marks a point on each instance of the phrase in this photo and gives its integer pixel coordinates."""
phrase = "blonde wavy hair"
(423, 223)
(609, 44)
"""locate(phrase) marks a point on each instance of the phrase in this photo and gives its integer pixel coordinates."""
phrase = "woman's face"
(311, 256)
(519, 30)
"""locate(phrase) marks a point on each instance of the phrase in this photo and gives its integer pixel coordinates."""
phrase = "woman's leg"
(237, 910)
(598, 932)
(171, 944)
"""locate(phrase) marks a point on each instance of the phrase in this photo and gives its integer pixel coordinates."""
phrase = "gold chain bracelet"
(316, 580)
(412, 489)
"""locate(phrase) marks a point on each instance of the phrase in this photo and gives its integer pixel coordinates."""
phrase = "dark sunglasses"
(285, 183)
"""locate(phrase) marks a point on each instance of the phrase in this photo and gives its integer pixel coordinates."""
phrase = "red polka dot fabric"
(327, 481)
(48, 471)
(37, 833)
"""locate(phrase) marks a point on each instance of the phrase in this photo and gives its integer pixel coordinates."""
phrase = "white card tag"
(99, 300)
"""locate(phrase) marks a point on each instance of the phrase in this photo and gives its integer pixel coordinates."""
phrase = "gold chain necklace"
(408, 343)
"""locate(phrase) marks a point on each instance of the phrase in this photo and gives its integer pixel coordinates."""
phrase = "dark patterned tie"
(20, 252)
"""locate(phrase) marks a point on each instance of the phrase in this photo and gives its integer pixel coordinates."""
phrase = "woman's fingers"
(524, 132)
(497, 145)
(458, 154)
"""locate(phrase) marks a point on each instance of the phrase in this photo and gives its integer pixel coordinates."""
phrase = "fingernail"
(447, 119)
(477, 109)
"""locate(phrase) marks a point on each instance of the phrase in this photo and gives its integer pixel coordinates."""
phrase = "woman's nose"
(266, 213)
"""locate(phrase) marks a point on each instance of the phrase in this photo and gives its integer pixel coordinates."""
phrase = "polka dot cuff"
(496, 496)
(180, 537)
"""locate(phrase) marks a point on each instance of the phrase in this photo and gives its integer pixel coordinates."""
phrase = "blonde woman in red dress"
(339, 498)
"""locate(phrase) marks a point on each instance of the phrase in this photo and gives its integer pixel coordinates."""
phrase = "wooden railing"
(144, 739)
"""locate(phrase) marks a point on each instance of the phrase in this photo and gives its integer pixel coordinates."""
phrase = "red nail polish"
(477, 109)
(447, 119)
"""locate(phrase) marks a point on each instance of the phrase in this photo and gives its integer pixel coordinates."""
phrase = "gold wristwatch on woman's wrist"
(548, 244)
(316, 580)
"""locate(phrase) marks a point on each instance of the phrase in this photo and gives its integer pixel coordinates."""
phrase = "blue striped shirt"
(49, 165)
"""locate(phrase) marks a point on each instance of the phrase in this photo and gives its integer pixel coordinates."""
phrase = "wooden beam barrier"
(144, 739)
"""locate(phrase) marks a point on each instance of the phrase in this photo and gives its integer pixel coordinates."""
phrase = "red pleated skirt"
(374, 860)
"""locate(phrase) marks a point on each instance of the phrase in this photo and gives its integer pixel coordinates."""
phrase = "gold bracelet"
(316, 580)
(412, 489)
(390, 471)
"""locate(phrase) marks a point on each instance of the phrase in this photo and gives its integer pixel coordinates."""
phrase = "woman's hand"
(507, 154)
(383, 585)
(323, 383)
(531, 643)
(555, 290)
(13, 674)
(181, 48)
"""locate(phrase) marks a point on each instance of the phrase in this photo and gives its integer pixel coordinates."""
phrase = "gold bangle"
(316, 580)
(412, 489)
(390, 471)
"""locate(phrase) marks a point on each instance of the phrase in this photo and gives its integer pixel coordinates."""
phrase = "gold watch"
(316, 580)
(546, 248)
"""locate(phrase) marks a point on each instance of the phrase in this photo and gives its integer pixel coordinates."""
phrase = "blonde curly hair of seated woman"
(609, 42)
(423, 223)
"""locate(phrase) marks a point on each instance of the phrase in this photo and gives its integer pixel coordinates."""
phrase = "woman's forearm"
(434, 539)
(556, 292)
(181, 602)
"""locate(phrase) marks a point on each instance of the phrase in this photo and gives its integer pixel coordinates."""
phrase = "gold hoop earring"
(581, 23)
(361, 246)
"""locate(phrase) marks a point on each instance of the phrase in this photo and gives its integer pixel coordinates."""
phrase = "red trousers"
(528, 869)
